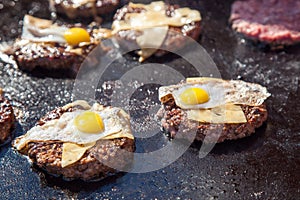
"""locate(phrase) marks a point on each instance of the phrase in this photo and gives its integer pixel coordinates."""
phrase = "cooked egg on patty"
(218, 109)
(78, 130)
(80, 126)
(42, 30)
(206, 93)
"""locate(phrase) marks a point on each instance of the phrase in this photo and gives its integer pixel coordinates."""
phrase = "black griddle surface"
(262, 166)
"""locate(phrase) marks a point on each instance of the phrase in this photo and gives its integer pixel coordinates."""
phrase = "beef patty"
(275, 22)
(174, 118)
(73, 9)
(48, 155)
(6, 118)
(173, 40)
(51, 58)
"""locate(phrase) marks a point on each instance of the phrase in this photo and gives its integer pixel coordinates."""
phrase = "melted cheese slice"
(150, 41)
(237, 93)
(154, 24)
(74, 147)
(228, 113)
(155, 15)
(118, 135)
(73, 152)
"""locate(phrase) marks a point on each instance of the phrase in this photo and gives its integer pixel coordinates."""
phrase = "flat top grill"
(262, 166)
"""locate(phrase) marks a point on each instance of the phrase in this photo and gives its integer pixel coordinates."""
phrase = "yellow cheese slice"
(150, 41)
(238, 92)
(154, 24)
(73, 152)
(228, 113)
(155, 15)
(120, 134)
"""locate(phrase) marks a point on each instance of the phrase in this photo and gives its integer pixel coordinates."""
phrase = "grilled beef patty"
(48, 155)
(88, 9)
(271, 21)
(172, 41)
(7, 118)
(174, 118)
(48, 56)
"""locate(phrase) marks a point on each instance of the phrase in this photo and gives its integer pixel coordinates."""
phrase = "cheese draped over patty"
(153, 23)
(225, 98)
(154, 15)
(77, 141)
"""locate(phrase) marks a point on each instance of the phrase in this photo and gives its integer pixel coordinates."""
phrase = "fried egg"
(42, 30)
(205, 93)
(199, 96)
(81, 127)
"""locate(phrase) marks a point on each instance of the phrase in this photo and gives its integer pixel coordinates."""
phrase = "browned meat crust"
(49, 56)
(174, 118)
(48, 155)
(98, 7)
(7, 118)
(271, 21)
(172, 41)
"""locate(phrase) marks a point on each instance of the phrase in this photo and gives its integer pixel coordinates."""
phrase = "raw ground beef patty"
(276, 22)
(6, 118)
(174, 118)
(48, 155)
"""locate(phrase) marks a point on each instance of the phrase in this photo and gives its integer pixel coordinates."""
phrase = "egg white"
(220, 92)
(216, 95)
(109, 121)
(41, 30)
(64, 130)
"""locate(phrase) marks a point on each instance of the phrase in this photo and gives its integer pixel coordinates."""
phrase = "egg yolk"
(89, 122)
(74, 36)
(193, 96)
